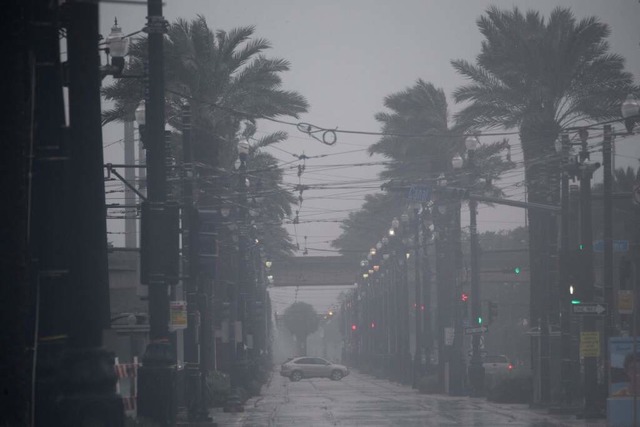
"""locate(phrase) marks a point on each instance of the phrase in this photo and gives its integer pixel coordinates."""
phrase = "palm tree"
(228, 81)
(540, 76)
(418, 141)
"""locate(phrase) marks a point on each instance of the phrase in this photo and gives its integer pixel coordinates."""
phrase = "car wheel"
(336, 375)
(296, 376)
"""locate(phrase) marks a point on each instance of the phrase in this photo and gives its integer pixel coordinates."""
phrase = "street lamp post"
(562, 147)
(476, 370)
(587, 279)
(239, 366)
(157, 376)
(417, 356)
(404, 301)
(86, 380)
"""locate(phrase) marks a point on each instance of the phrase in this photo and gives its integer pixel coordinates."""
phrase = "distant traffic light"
(573, 296)
(354, 327)
(464, 297)
(517, 270)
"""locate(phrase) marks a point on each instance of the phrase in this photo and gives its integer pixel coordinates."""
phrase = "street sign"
(449, 335)
(625, 302)
(178, 315)
(589, 344)
(589, 309)
(419, 193)
(475, 330)
(618, 246)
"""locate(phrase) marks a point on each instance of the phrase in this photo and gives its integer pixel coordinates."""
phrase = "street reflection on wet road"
(362, 400)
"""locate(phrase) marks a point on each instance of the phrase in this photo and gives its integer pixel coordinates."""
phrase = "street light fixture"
(457, 162)
(117, 47)
(141, 113)
(630, 111)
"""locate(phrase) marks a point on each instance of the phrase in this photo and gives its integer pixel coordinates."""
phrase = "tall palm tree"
(418, 141)
(540, 76)
(228, 81)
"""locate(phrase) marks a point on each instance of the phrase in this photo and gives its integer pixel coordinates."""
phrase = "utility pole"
(565, 315)
(194, 366)
(86, 380)
(608, 243)
(130, 240)
(586, 282)
(238, 377)
(426, 291)
(476, 370)
(417, 357)
(157, 376)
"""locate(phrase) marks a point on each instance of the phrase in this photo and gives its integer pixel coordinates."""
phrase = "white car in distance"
(496, 365)
(312, 367)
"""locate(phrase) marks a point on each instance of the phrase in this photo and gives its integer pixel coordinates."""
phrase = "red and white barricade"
(127, 385)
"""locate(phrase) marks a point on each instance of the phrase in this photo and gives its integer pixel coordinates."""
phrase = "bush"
(219, 386)
(512, 390)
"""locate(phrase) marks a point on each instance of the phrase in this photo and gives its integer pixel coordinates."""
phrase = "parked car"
(312, 367)
(497, 365)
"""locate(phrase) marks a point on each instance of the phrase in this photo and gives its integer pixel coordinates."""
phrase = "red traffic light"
(464, 297)
(354, 327)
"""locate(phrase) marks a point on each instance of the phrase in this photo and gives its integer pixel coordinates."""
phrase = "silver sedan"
(312, 367)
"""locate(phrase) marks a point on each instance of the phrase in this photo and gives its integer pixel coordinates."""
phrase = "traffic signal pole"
(590, 382)
(85, 374)
(157, 376)
(565, 315)
(608, 242)
(476, 370)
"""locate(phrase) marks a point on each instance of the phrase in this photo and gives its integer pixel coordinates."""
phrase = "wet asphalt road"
(362, 400)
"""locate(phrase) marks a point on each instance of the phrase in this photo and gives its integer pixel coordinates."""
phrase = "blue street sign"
(618, 246)
(418, 193)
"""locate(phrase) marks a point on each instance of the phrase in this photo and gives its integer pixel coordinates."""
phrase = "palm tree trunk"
(541, 169)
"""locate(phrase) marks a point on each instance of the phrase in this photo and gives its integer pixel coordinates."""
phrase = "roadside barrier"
(127, 385)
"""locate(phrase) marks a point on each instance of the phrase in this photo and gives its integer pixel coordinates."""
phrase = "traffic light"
(354, 327)
(575, 266)
(464, 297)
(517, 270)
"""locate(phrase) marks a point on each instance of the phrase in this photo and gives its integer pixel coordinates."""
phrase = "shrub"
(219, 386)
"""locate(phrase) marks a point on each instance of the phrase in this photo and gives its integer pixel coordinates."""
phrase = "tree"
(228, 82)
(540, 77)
(302, 320)
(420, 145)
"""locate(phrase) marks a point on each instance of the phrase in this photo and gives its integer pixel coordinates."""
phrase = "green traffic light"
(479, 320)
(575, 301)
(581, 247)
(516, 270)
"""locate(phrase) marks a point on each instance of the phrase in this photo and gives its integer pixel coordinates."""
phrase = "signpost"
(589, 344)
(473, 330)
(625, 302)
(589, 309)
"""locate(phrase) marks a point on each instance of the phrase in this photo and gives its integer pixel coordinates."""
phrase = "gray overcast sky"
(346, 56)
